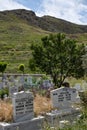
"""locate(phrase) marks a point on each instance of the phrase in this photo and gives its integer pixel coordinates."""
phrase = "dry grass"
(5, 111)
(41, 105)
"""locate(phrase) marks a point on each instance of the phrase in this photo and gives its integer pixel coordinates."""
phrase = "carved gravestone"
(22, 106)
(64, 102)
(63, 98)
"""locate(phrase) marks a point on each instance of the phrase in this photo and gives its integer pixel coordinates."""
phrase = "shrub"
(83, 97)
(3, 92)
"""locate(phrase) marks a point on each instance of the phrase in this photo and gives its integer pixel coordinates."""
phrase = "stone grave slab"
(63, 97)
(33, 124)
(22, 106)
(63, 102)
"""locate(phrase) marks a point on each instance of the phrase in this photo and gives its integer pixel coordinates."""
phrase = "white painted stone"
(22, 106)
(63, 97)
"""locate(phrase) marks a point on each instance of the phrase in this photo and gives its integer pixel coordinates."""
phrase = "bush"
(83, 97)
(3, 92)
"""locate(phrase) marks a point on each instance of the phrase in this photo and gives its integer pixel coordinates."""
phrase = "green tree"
(3, 66)
(84, 59)
(21, 68)
(58, 56)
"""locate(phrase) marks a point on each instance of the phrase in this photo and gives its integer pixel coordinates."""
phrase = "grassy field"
(15, 40)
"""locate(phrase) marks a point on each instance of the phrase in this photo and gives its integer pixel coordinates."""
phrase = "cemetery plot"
(63, 100)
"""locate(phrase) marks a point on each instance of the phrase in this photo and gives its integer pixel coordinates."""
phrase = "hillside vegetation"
(20, 28)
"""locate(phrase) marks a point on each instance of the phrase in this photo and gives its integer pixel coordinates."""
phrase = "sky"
(74, 11)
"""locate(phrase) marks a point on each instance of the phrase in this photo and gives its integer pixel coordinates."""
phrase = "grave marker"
(63, 97)
(63, 102)
(22, 106)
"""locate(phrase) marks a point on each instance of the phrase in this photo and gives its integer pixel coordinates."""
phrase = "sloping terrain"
(46, 23)
(20, 28)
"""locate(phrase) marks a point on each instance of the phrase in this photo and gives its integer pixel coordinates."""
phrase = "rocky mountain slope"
(46, 23)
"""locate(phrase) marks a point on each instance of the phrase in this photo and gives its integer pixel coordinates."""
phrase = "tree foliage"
(21, 68)
(3, 66)
(58, 56)
(84, 59)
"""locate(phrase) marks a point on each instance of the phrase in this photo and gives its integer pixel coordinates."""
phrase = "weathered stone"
(22, 106)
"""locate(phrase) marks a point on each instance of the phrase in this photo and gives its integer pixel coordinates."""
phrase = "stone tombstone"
(64, 97)
(22, 106)
(22, 79)
(29, 80)
(12, 90)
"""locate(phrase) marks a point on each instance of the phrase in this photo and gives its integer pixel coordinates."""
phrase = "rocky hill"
(46, 23)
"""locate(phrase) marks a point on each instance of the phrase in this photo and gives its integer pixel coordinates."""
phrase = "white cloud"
(10, 4)
(70, 10)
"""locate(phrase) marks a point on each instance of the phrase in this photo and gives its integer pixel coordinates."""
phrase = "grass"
(41, 104)
(5, 111)
(15, 40)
